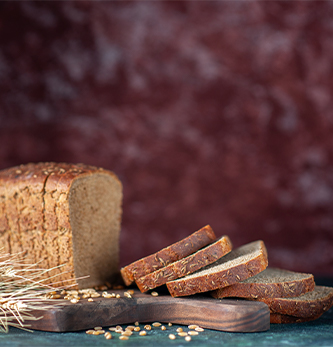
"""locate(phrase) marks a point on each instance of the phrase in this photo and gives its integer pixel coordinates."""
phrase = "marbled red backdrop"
(210, 113)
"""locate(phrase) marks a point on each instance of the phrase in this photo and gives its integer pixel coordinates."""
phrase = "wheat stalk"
(22, 290)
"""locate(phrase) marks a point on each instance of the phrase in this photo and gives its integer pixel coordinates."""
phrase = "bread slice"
(277, 318)
(270, 283)
(311, 304)
(236, 266)
(63, 214)
(170, 254)
(185, 266)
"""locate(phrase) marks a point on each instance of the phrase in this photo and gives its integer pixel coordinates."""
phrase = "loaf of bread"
(238, 265)
(270, 283)
(170, 254)
(186, 266)
(63, 214)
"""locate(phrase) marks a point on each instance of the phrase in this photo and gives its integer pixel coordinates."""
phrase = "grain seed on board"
(128, 295)
(95, 295)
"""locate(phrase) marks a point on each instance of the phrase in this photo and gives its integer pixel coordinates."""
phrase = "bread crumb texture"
(236, 266)
(309, 305)
(62, 214)
(270, 283)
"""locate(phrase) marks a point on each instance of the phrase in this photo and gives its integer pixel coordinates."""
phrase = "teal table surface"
(315, 333)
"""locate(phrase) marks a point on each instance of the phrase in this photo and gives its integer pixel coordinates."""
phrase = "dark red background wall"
(209, 112)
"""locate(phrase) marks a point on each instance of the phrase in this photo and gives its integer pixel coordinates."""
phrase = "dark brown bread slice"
(277, 318)
(186, 266)
(270, 283)
(170, 254)
(63, 214)
(308, 305)
(236, 266)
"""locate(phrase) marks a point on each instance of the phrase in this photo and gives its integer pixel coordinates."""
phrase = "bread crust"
(277, 318)
(301, 306)
(185, 266)
(255, 290)
(168, 255)
(35, 213)
(219, 279)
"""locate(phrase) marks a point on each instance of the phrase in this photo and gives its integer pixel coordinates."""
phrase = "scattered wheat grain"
(108, 335)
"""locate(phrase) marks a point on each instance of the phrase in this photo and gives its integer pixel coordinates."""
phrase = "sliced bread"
(236, 266)
(277, 318)
(270, 283)
(185, 266)
(170, 254)
(311, 304)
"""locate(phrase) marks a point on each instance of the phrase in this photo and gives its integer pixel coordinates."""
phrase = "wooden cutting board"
(226, 314)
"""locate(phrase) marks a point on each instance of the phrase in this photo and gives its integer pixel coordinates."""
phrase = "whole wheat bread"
(167, 255)
(236, 266)
(277, 318)
(270, 283)
(185, 266)
(63, 214)
(311, 304)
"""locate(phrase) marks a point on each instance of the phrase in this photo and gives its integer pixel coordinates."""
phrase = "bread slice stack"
(189, 266)
(185, 266)
(238, 265)
(167, 255)
(292, 297)
(177, 260)
(243, 273)
(303, 308)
